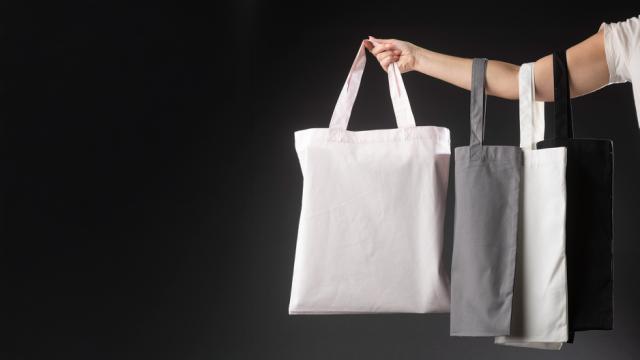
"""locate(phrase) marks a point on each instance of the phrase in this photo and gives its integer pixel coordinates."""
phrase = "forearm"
(586, 60)
(501, 80)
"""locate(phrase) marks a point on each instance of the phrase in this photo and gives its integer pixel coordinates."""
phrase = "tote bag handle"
(531, 111)
(399, 98)
(563, 124)
(478, 108)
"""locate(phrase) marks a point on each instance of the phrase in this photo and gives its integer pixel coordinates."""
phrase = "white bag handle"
(531, 111)
(401, 106)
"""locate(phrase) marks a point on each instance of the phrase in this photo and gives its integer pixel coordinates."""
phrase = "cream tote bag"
(539, 310)
(373, 205)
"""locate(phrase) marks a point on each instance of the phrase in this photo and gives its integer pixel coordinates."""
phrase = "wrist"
(421, 62)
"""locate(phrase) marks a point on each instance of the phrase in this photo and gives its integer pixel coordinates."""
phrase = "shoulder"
(625, 32)
(622, 46)
(629, 23)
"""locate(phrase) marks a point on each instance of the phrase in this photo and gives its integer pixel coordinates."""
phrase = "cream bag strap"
(531, 111)
(401, 106)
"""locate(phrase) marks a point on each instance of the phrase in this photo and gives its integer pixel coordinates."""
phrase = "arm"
(586, 61)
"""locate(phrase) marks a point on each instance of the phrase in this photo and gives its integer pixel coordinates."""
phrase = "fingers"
(386, 56)
(369, 45)
(387, 60)
(385, 53)
(377, 49)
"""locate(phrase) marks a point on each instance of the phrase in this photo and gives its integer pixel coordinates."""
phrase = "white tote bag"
(373, 205)
(540, 316)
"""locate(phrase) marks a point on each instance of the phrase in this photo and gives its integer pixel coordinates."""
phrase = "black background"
(153, 190)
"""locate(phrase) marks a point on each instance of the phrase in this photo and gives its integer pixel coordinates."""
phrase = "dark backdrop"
(153, 191)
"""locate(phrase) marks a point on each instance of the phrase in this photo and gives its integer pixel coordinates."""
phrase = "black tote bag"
(589, 222)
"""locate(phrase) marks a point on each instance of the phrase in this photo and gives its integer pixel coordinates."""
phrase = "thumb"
(386, 44)
(373, 39)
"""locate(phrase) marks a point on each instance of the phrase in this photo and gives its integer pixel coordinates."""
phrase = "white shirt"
(622, 49)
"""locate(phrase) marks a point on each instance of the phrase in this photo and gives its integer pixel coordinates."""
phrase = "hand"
(388, 51)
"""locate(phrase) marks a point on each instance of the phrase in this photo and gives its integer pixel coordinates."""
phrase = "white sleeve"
(621, 45)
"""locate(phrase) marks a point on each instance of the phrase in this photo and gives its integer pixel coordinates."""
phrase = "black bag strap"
(563, 123)
(478, 107)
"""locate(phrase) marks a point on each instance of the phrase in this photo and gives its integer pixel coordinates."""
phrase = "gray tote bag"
(487, 187)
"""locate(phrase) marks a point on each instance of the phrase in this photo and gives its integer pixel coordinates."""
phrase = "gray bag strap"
(478, 105)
